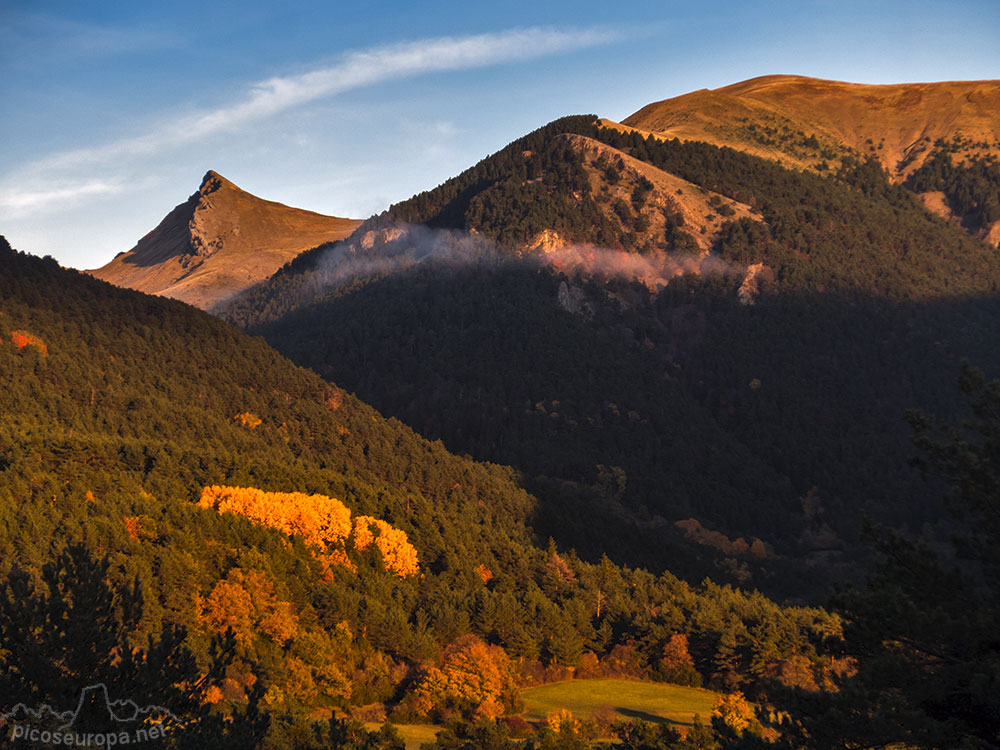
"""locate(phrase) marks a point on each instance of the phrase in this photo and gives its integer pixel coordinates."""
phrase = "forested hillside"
(353, 561)
(771, 410)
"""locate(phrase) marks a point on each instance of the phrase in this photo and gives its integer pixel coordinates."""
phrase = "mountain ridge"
(906, 119)
(217, 243)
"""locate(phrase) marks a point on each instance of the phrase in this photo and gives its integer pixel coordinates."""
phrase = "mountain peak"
(212, 181)
(806, 122)
(217, 243)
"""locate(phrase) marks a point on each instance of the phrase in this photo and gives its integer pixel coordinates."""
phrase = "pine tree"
(924, 630)
(71, 638)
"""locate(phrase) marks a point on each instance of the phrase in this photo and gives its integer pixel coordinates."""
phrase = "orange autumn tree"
(398, 554)
(22, 339)
(321, 521)
(474, 679)
(677, 666)
(324, 523)
(248, 419)
(485, 574)
(245, 601)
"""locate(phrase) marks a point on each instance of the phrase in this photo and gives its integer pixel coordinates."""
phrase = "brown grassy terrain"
(702, 211)
(779, 116)
(219, 242)
(702, 220)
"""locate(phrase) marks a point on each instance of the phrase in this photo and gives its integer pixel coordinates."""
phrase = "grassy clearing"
(414, 735)
(626, 699)
(617, 699)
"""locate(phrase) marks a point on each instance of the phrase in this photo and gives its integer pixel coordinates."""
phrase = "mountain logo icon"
(95, 715)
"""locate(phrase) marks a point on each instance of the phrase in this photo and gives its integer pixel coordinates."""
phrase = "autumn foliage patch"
(23, 339)
(324, 523)
(248, 419)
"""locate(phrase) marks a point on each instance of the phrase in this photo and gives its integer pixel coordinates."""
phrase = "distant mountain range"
(219, 242)
(223, 240)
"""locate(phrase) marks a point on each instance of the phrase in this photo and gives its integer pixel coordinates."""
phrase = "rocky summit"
(219, 242)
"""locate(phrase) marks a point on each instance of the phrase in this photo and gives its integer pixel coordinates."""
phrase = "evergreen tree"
(924, 630)
(69, 643)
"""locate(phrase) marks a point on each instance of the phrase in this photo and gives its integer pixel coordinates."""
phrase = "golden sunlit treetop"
(324, 523)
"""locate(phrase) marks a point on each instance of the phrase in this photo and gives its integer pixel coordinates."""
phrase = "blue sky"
(113, 111)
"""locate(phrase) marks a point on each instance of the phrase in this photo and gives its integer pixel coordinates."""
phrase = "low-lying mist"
(380, 252)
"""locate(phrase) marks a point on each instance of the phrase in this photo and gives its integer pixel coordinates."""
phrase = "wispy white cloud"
(21, 201)
(272, 96)
(65, 178)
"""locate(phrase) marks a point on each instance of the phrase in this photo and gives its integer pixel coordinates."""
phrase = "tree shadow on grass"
(646, 716)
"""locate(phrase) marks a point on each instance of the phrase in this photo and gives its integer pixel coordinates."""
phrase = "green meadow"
(619, 699)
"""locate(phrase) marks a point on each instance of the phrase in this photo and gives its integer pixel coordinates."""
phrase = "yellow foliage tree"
(736, 712)
(561, 720)
(398, 554)
(229, 606)
(245, 601)
(324, 523)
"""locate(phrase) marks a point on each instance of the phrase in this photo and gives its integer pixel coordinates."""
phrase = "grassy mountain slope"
(219, 242)
(941, 139)
(781, 117)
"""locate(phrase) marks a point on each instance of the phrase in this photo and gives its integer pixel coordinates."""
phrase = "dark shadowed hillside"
(755, 382)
